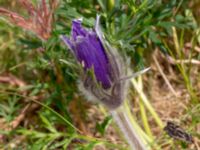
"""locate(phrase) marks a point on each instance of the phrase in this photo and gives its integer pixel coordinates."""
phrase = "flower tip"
(79, 20)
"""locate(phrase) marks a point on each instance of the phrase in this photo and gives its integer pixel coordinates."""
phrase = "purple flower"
(89, 51)
(94, 53)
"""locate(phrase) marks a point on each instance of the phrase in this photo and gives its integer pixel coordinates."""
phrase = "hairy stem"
(134, 139)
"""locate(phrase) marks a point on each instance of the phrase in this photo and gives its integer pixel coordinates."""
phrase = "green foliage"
(135, 27)
(8, 110)
(101, 127)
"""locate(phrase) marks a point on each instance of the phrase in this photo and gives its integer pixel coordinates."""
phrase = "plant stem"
(135, 125)
(134, 139)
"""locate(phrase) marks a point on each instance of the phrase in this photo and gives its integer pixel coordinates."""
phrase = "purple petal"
(88, 49)
(90, 52)
(77, 29)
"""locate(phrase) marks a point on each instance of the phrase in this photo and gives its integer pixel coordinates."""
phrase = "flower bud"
(95, 55)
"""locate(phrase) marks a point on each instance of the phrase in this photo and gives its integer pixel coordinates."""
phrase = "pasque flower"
(95, 55)
(103, 75)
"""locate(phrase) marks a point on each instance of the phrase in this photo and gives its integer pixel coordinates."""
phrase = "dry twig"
(40, 18)
(189, 46)
(12, 80)
(184, 61)
(164, 76)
